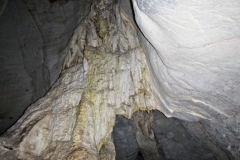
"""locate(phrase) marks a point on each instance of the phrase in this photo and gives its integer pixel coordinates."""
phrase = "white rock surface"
(49, 122)
(193, 52)
(196, 63)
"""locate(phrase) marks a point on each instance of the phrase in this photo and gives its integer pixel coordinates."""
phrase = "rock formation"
(194, 55)
(104, 75)
(122, 76)
(33, 37)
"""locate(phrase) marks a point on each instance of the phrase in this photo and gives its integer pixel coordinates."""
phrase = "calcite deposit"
(104, 75)
(151, 79)
(193, 54)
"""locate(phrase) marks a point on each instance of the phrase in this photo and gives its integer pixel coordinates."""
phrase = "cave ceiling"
(115, 79)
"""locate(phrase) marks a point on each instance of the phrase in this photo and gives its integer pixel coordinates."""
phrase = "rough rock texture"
(124, 137)
(158, 137)
(105, 74)
(193, 52)
(47, 125)
(33, 36)
(184, 140)
(145, 135)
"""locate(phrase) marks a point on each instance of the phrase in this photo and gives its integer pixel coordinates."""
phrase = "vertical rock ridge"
(104, 74)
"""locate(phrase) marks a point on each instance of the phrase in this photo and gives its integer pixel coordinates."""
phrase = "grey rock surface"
(33, 36)
(157, 137)
(124, 138)
(145, 135)
(181, 140)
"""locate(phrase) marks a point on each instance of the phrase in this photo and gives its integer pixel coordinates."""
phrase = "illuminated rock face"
(104, 75)
(183, 63)
(193, 52)
(197, 53)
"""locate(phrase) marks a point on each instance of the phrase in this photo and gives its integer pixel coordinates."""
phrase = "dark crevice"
(52, 1)
(172, 140)
(7, 147)
(61, 2)
(140, 156)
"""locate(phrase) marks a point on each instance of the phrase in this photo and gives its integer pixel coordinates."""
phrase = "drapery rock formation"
(104, 74)
(180, 58)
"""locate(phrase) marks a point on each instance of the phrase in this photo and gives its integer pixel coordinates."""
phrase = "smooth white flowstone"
(196, 63)
(193, 51)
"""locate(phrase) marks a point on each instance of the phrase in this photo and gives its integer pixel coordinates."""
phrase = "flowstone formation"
(193, 55)
(104, 74)
(180, 61)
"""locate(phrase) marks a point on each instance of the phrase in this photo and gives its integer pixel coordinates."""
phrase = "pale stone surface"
(145, 135)
(193, 52)
(105, 74)
(197, 56)
(48, 124)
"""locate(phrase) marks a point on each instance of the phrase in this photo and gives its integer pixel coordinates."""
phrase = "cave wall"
(192, 50)
(104, 74)
(33, 37)
(193, 53)
(108, 71)
(156, 137)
